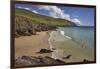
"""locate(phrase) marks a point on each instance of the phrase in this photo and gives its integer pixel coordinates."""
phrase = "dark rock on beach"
(53, 48)
(85, 60)
(33, 61)
(67, 57)
(45, 51)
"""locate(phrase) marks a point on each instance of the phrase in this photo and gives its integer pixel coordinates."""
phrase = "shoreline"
(56, 51)
(61, 45)
(49, 40)
(64, 46)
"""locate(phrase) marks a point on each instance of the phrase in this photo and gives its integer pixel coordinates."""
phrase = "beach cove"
(63, 47)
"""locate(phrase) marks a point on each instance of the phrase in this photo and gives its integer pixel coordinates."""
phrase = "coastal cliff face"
(28, 23)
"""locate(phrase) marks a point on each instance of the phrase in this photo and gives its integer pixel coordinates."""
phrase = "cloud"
(35, 11)
(56, 12)
(76, 21)
(27, 8)
(43, 7)
(19, 7)
(67, 17)
(24, 8)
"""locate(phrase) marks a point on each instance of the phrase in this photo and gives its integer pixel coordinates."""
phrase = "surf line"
(63, 33)
(55, 52)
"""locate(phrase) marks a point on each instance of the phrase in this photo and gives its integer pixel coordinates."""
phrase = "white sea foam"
(63, 33)
(49, 40)
(55, 53)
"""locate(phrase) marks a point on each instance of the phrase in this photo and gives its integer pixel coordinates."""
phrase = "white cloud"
(35, 11)
(56, 12)
(76, 21)
(27, 8)
(19, 7)
(67, 17)
(23, 8)
(43, 7)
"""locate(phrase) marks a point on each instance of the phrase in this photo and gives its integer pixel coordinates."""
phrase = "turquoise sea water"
(81, 35)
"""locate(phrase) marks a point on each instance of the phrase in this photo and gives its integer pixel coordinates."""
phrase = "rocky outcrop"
(24, 27)
(33, 61)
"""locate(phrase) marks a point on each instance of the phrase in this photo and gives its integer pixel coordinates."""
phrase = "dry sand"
(29, 45)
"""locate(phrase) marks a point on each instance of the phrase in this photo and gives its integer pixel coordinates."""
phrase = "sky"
(79, 15)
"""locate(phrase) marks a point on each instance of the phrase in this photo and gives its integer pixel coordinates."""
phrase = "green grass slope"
(27, 22)
(36, 18)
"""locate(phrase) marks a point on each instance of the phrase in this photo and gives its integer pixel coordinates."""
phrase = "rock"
(53, 48)
(85, 60)
(67, 57)
(16, 35)
(28, 29)
(26, 34)
(31, 60)
(59, 61)
(22, 62)
(49, 60)
(45, 51)
(32, 31)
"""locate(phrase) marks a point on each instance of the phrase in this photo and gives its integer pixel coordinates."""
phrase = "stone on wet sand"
(45, 51)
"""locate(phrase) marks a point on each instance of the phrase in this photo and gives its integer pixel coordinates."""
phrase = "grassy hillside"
(27, 22)
(41, 19)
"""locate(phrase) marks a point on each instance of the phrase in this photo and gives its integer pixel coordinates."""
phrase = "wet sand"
(30, 45)
(65, 46)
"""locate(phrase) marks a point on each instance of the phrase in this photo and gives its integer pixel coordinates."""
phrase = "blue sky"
(80, 16)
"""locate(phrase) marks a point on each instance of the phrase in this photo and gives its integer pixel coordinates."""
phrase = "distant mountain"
(27, 22)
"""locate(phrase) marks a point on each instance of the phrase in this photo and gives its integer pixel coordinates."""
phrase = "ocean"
(79, 34)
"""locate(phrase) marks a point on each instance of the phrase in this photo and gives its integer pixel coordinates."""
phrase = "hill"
(28, 23)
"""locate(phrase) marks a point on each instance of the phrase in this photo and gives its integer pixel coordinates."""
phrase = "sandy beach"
(61, 46)
(65, 46)
(30, 45)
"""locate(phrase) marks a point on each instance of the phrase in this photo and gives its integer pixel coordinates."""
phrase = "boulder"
(85, 60)
(45, 51)
(34, 61)
(67, 57)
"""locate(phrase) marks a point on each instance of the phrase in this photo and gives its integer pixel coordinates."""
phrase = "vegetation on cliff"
(28, 23)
